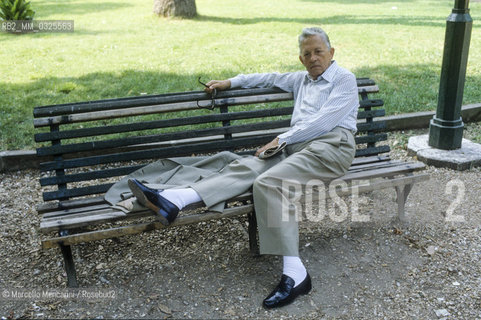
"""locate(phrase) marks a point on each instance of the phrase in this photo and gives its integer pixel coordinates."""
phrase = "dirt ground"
(429, 268)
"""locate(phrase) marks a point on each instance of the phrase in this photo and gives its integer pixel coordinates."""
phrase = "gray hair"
(314, 31)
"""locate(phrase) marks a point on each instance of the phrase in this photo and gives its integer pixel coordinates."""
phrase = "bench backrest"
(89, 143)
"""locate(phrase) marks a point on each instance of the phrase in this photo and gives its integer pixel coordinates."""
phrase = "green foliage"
(16, 10)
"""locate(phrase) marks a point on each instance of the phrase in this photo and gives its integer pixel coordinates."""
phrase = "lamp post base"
(464, 158)
(446, 134)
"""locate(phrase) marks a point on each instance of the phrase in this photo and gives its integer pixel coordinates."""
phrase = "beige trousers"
(325, 158)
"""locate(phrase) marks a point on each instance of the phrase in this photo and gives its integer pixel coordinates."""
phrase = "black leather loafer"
(285, 292)
(165, 210)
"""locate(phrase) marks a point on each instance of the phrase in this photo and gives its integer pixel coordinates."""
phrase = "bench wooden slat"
(360, 139)
(118, 103)
(372, 126)
(369, 159)
(363, 82)
(372, 151)
(68, 220)
(46, 207)
(384, 172)
(158, 124)
(371, 138)
(387, 183)
(368, 89)
(76, 192)
(91, 175)
(371, 114)
(88, 219)
(149, 100)
(369, 128)
(370, 103)
(376, 165)
(67, 212)
(141, 101)
(188, 135)
(157, 109)
(170, 107)
(144, 227)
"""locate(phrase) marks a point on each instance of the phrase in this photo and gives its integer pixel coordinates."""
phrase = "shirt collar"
(327, 75)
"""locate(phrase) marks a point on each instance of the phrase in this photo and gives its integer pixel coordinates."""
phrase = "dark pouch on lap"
(272, 151)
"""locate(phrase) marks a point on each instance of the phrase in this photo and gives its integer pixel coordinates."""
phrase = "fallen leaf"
(165, 309)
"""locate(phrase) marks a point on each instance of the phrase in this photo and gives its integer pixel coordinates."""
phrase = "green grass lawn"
(119, 48)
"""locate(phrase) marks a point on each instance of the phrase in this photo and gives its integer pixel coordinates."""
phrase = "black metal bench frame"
(89, 143)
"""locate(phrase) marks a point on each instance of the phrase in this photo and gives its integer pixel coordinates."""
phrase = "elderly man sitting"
(319, 145)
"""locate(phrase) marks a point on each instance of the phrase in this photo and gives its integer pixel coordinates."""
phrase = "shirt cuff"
(283, 138)
(236, 82)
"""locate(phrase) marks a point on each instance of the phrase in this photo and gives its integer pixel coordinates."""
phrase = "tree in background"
(175, 8)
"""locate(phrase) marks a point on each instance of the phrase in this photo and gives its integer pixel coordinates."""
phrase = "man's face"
(315, 55)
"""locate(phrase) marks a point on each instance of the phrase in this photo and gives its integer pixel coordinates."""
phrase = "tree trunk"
(175, 8)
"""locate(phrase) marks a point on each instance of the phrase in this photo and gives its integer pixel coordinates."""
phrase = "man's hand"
(273, 143)
(217, 84)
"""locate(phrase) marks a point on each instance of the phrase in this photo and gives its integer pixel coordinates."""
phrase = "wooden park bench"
(91, 145)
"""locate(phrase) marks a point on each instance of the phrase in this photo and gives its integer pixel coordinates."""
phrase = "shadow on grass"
(18, 100)
(69, 8)
(407, 88)
(404, 89)
(414, 87)
(423, 21)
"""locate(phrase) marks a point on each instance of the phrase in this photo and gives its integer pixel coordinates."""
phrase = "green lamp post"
(446, 127)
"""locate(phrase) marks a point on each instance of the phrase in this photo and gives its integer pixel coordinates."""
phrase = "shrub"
(16, 10)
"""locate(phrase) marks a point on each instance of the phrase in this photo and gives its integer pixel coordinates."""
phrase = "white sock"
(181, 197)
(294, 268)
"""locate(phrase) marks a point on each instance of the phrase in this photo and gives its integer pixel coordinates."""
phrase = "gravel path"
(380, 269)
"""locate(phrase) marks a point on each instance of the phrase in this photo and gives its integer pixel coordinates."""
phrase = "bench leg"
(253, 244)
(68, 262)
(402, 195)
(69, 266)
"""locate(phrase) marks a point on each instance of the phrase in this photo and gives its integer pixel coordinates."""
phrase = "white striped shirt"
(319, 105)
